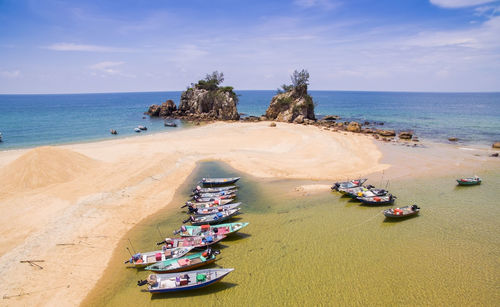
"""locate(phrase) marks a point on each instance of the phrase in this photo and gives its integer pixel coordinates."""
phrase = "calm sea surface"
(325, 250)
(33, 120)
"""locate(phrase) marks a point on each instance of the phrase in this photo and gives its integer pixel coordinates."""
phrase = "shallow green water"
(321, 249)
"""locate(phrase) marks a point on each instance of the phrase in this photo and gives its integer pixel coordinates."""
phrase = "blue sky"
(57, 46)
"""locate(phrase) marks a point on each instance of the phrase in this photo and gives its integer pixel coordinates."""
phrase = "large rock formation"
(165, 109)
(288, 106)
(219, 104)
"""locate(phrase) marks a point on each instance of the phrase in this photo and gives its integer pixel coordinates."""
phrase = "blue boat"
(163, 283)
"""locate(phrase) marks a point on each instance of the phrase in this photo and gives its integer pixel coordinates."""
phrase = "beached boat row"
(206, 229)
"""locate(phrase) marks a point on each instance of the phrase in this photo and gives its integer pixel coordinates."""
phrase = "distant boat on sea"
(0, 136)
(469, 181)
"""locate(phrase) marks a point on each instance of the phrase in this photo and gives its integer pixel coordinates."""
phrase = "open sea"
(34, 120)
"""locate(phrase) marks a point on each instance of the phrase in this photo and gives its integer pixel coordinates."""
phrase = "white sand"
(88, 195)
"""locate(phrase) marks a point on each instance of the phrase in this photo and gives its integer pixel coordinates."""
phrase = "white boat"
(137, 129)
(0, 136)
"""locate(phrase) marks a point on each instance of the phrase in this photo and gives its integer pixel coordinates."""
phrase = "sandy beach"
(70, 205)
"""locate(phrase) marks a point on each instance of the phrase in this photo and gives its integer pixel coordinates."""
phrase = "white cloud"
(324, 4)
(10, 74)
(83, 47)
(108, 68)
(459, 3)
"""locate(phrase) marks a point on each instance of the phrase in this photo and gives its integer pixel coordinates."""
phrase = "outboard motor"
(142, 282)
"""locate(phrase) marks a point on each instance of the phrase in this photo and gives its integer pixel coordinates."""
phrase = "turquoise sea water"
(33, 120)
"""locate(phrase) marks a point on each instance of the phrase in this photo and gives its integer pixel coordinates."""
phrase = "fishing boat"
(208, 204)
(469, 181)
(141, 260)
(358, 191)
(216, 194)
(402, 212)
(169, 124)
(142, 127)
(368, 193)
(200, 241)
(185, 263)
(137, 129)
(198, 199)
(348, 184)
(377, 200)
(212, 210)
(212, 218)
(174, 282)
(222, 229)
(219, 181)
(214, 189)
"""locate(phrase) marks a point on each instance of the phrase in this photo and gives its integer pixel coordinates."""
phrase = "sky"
(57, 46)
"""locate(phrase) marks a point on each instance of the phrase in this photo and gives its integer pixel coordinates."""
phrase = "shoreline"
(127, 180)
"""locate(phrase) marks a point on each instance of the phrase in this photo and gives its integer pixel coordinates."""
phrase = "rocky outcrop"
(288, 106)
(217, 104)
(405, 135)
(386, 132)
(353, 127)
(165, 109)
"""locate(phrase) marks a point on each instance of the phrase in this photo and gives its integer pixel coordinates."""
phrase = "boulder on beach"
(405, 135)
(273, 124)
(452, 139)
(354, 127)
(292, 101)
(496, 145)
(386, 132)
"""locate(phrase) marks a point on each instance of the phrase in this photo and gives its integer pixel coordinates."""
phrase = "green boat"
(185, 263)
(469, 181)
(220, 229)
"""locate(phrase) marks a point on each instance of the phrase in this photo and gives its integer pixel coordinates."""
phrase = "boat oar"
(130, 256)
(162, 242)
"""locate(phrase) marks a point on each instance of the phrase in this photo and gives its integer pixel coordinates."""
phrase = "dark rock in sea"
(165, 109)
(494, 155)
(496, 145)
(453, 139)
(331, 117)
(217, 104)
(386, 132)
(405, 135)
(353, 127)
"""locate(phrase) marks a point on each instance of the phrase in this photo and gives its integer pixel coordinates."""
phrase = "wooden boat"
(402, 212)
(185, 263)
(212, 210)
(215, 194)
(219, 181)
(137, 129)
(222, 229)
(208, 199)
(469, 181)
(174, 282)
(200, 241)
(214, 189)
(215, 218)
(377, 200)
(169, 124)
(141, 260)
(208, 204)
(348, 184)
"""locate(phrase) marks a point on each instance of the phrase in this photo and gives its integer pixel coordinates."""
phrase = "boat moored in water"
(141, 260)
(377, 200)
(170, 124)
(212, 210)
(185, 263)
(469, 181)
(215, 218)
(219, 181)
(136, 129)
(208, 204)
(199, 199)
(402, 212)
(174, 282)
(348, 184)
(199, 189)
(223, 229)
